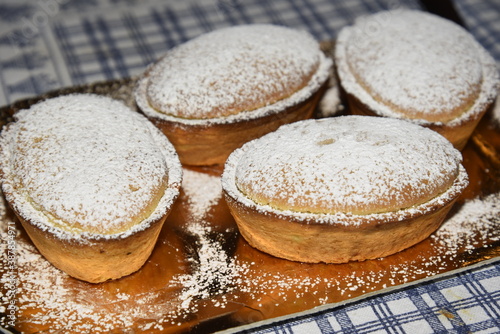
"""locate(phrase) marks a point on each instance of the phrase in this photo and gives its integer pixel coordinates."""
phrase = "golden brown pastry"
(342, 189)
(91, 182)
(417, 66)
(214, 93)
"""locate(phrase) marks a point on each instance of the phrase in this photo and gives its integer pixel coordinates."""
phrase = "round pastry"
(91, 182)
(214, 93)
(342, 189)
(417, 66)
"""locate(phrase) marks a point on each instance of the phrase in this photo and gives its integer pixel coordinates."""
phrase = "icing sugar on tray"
(201, 269)
(203, 275)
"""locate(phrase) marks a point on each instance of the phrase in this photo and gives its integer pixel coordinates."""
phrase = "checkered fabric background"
(48, 44)
(482, 18)
(54, 43)
(464, 303)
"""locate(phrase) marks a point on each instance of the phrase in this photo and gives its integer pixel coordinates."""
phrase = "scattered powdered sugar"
(351, 164)
(223, 280)
(202, 191)
(46, 296)
(214, 271)
(84, 160)
(37, 274)
(475, 226)
(477, 222)
(232, 69)
(416, 65)
(330, 104)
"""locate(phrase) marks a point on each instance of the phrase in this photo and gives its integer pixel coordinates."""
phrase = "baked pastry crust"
(333, 199)
(91, 182)
(234, 90)
(418, 67)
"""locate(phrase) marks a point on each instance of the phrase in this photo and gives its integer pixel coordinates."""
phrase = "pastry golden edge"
(457, 131)
(95, 261)
(211, 141)
(335, 238)
(96, 258)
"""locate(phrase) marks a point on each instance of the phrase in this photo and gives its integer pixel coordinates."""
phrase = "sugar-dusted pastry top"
(235, 69)
(87, 164)
(352, 164)
(416, 64)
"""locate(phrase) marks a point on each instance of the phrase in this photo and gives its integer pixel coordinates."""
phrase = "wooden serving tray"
(203, 277)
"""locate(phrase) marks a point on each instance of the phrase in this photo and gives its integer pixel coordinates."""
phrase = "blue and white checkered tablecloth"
(462, 303)
(54, 43)
(48, 44)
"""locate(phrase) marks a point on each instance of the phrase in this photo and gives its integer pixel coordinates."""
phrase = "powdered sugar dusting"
(350, 164)
(215, 272)
(251, 284)
(47, 297)
(202, 191)
(465, 229)
(417, 62)
(265, 288)
(89, 162)
(330, 104)
(232, 69)
(210, 103)
(412, 64)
